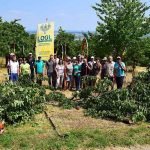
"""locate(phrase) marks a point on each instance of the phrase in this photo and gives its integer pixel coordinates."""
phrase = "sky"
(71, 15)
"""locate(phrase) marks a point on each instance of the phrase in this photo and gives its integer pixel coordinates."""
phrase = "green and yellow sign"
(45, 40)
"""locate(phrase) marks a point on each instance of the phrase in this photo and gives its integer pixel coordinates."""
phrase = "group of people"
(68, 73)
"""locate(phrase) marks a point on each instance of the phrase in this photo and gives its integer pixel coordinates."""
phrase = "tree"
(96, 47)
(66, 42)
(122, 23)
(14, 38)
(139, 53)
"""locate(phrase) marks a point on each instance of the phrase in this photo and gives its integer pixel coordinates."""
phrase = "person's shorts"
(50, 74)
(13, 77)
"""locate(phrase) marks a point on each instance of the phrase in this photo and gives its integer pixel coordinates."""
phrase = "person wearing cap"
(110, 69)
(90, 64)
(14, 69)
(8, 61)
(104, 68)
(74, 60)
(39, 68)
(120, 69)
(31, 62)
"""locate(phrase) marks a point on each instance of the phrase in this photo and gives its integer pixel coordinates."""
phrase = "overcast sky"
(76, 15)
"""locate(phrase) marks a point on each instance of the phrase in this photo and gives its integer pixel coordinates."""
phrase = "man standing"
(39, 67)
(104, 68)
(31, 62)
(14, 69)
(120, 69)
(50, 66)
(110, 69)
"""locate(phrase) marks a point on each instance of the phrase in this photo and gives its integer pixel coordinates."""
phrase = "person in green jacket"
(77, 74)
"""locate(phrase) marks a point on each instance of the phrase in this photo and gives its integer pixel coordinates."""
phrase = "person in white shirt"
(14, 69)
(60, 73)
(110, 69)
(56, 59)
(69, 69)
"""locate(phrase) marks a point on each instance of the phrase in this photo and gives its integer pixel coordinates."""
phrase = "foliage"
(66, 43)
(139, 52)
(14, 38)
(132, 103)
(19, 104)
(121, 23)
(61, 99)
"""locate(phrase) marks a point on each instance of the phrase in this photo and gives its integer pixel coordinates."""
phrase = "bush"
(132, 103)
(19, 104)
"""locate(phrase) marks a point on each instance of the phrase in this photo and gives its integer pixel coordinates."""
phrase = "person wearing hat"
(9, 59)
(39, 68)
(31, 62)
(74, 60)
(110, 69)
(90, 64)
(120, 69)
(104, 68)
(14, 69)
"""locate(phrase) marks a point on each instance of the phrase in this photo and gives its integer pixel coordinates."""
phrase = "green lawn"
(84, 133)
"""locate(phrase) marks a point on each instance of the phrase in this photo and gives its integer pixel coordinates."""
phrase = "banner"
(45, 40)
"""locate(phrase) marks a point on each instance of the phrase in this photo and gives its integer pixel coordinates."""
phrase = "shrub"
(132, 103)
(19, 104)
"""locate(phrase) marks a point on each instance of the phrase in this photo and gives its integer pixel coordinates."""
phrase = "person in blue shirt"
(39, 69)
(120, 69)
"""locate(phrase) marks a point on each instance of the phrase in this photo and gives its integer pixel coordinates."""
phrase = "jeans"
(77, 82)
(60, 80)
(32, 74)
(50, 78)
(13, 77)
(119, 81)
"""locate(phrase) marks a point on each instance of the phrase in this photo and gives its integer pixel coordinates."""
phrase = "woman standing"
(69, 69)
(77, 74)
(25, 68)
(60, 73)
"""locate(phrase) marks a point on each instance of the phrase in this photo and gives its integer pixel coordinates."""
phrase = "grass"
(38, 134)
(84, 132)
